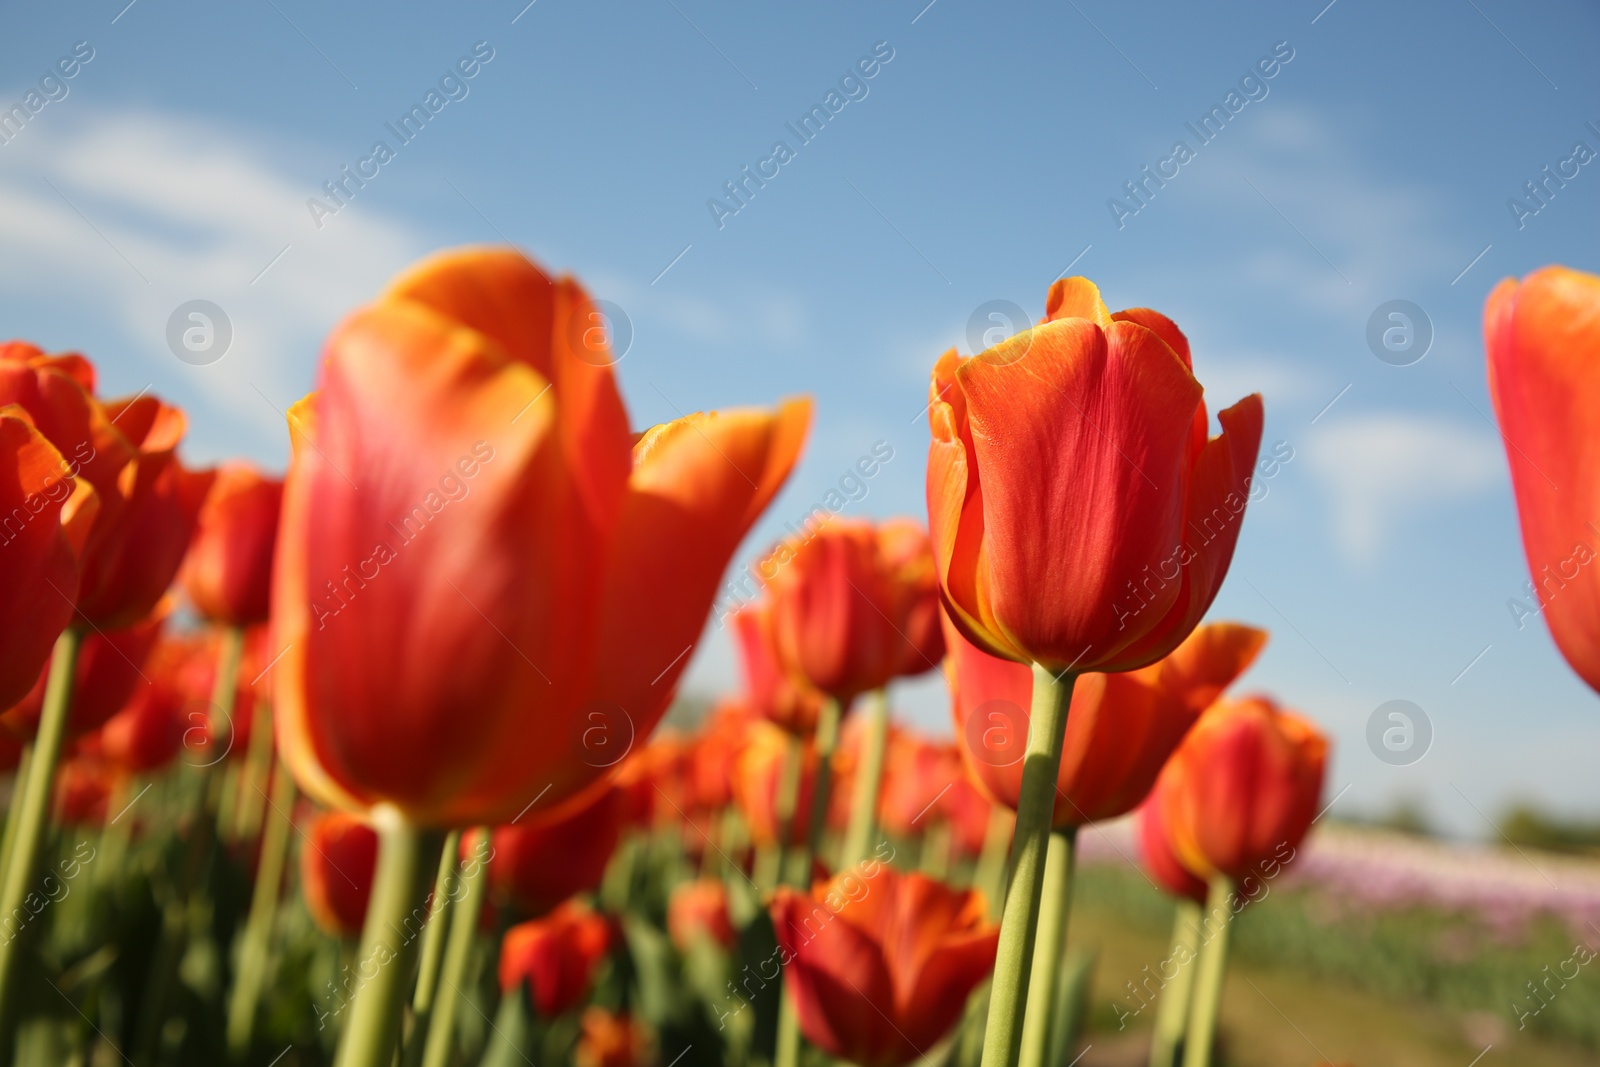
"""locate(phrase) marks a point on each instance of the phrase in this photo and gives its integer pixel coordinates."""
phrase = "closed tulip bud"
(1161, 863)
(487, 584)
(854, 606)
(1543, 337)
(38, 554)
(612, 1040)
(337, 863)
(1081, 518)
(228, 571)
(1239, 794)
(699, 910)
(879, 963)
(107, 674)
(773, 694)
(557, 956)
(1120, 727)
(535, 867)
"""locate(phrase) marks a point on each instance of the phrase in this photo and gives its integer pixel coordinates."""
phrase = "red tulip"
(1543, 337)
(712, 752)
(228, 571)
(756, 777)
(481, 565)
(109, 671)
(918, 774)
(879, 964)
(557, 956)
(1242, 789)
(83, 792)
(700, 910)
(1080, 516)
(854, 605)
(38, 501)
(536, 867)
(146, 502)
(608, 1040)
(148, 732)
(1161, 863)
(774, 695)
(337, 863)
(654, 781)
(1120, 727)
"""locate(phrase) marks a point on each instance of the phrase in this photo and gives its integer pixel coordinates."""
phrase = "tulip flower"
(537, 866)
(1081, 520)
(757, 777)
(1120, 727)
(1236, 799)
(654, 781)
(610, 1040)
(1161, 862)
(557, 956)
(472, 541)
(854, 605)
(108, 671)
(228, 571)
(148, 732)
(1243, 788)
(1543, 339)
(878, 963)
(773, 694)
(699, 910)
(39, 500)
(83, 791)
(337, 866)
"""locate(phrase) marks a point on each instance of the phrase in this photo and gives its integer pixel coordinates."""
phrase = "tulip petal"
(40, 568)
(1076, 298)
(837, 978)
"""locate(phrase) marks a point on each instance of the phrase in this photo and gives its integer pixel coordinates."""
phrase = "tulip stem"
(250, 802)
(770, 858)
(1172, 1016)
(1047, 724)
(1213, 964)
(869, 779)
(827, 740)
(433, 938)
(463, 928)
(32, 818)
(255, 952)
(387, 945)
(1049, 947)
(19, 786)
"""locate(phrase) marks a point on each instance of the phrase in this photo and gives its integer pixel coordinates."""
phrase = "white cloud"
(1384, 468)
(129, 214)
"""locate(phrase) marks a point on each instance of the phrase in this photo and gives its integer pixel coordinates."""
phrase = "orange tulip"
(654, 781)
(1242, 789)
(228, 571)
(918, 774)
(610, 1040)
(146, 502)
(1161, 863)
(712, 752)
(148, 732)
(337, 863)
(878, 964)
(109, 670)
(756, 777)
(854, 605)
(1120, 727)
(774, 695)
(1543, 337)
(480, 564)
(37, 551)
(1081, 518)
(537, 866)
(700, 909)
(557, 956)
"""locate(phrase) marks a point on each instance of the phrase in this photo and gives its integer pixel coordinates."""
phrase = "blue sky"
(975, 165)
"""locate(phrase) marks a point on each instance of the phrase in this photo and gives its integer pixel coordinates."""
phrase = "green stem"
(388, 947)
(19, 784)
(463, 929)
(1049, 947)
(869, 779)
(1035, 810)
(32, 821)
(783, 807)
(433, 938)
(256, 949)
(249, 806)
(827, 741)
(990, 875)
(1213, 964)
(1172, 1015)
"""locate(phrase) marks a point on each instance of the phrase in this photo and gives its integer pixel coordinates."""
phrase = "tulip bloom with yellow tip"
(481, 568)
(1082, 518)
(1543, 337)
